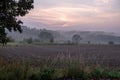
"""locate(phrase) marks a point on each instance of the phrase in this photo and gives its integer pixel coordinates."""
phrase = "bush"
(113, 74)
(13, 72)
(111, 42)
(97, 73)
(75, 71)
(44, 74)
(29, 40)
(10, 39)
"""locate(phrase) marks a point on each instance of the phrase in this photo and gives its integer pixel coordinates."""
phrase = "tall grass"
(62, 67)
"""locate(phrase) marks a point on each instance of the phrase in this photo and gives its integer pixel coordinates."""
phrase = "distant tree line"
(43, 37)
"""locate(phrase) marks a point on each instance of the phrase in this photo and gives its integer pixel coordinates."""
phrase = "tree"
(111, 43)
(9, 11)
(10, 39)
(51, 40)
(76, 38)
(29, 40)
(46, 36)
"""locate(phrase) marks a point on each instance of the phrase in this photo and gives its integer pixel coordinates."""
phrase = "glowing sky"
(97, 15)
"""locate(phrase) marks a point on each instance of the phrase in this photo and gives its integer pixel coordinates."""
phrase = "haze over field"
(90, 15)
(59, 39)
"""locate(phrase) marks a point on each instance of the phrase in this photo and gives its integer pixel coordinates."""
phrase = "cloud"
(59, 13)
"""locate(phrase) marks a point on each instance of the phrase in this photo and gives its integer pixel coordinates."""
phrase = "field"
(61, 56)
(108, 55)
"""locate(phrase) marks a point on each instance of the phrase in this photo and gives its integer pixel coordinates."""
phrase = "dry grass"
(22, 63)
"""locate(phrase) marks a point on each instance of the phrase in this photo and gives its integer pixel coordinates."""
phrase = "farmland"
(108, 55)
(60, 62)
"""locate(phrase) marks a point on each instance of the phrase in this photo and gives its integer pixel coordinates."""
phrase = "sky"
(87, 15)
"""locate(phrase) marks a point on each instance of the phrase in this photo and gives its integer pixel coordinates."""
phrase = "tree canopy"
(76, 38)
(46, 36)
(9, 11)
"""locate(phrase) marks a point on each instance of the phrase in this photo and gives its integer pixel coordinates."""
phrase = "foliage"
(46, 36)
(10, 39)
(113, 74)
(3, 38)
(111, 42)
(9, 11)
(13, 71)
(76, 38)
(44, 74)
(52, 40)
(29, 40)
(75, 71)
(97, 73)
(16, 71)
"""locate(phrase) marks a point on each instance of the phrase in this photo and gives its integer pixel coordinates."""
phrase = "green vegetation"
(9, 11)
(44, 74)
(17, 71)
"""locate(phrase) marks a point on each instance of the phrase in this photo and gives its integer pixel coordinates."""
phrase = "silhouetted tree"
(89, 42)
(9, 11)
(52, 40)
(10, 39)
(111, 43)
(76, 38)
(46, 36)
(36, 40)
(29, 40)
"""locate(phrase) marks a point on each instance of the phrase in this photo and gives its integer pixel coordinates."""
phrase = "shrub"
(74, 71)
(29, 40)
(44, 74)
(10, 39)
(113, 74)
(97, 73)
(12, 72)
(111, 43)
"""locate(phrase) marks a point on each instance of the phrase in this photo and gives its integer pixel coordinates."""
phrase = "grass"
(17, 71)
